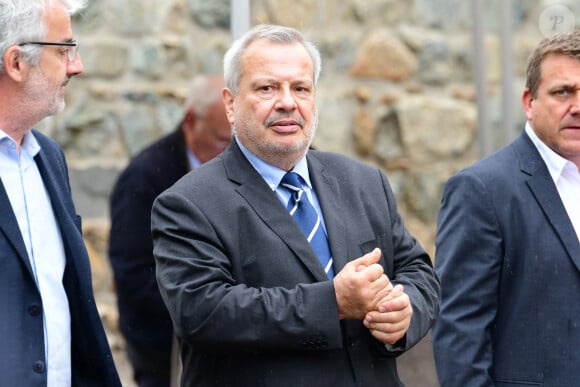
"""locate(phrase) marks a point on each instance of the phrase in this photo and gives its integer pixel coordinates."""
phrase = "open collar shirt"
(32, 207)
(566, 177)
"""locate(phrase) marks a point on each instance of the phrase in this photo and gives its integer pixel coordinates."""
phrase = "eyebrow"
(563, 84)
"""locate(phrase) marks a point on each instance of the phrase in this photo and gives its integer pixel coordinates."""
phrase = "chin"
(59, 107)
(293, 147)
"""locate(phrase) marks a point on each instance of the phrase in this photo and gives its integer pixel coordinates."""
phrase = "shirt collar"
(556, 164)
(271, 174)
(192, 159)
(29, 143)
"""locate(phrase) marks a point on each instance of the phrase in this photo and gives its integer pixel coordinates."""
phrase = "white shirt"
(566, 178)
(39, 229)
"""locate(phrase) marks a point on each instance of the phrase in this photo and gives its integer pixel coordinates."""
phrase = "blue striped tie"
(307, 218)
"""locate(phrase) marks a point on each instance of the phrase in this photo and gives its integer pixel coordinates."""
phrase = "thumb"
(367, 259)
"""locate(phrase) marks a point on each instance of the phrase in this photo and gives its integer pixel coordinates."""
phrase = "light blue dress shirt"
(273, 176)
(193, 160)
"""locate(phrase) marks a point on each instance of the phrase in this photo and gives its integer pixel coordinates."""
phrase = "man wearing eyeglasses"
(50, 329)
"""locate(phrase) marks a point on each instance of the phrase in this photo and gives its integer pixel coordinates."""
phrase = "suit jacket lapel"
(329, 195)
(63, 209)
(544, 190)
(9, 227)
(268, 207)
(54, 191)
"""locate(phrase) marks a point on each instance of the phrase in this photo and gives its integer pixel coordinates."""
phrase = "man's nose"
(75, 67)
(285, 99)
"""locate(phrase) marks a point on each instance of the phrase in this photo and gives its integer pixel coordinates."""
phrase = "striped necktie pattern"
(307, 218)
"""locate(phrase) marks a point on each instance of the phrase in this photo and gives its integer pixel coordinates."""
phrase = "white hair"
(272, 33)
(22, 21)
(202, 94)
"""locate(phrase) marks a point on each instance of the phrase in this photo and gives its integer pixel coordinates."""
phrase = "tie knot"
(292, 181)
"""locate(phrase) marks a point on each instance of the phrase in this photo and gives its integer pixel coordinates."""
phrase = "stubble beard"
(42, 97)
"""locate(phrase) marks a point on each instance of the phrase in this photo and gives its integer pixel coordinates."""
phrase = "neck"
(13, 121)
(13, 132)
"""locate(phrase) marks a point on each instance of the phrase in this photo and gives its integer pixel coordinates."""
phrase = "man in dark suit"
(508, 243)
(50, 329)
(251, 302)
(203, 133)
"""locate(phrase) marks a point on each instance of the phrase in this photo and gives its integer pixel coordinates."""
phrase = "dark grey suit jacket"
(509, 263)
(22, 361)
(249, 300)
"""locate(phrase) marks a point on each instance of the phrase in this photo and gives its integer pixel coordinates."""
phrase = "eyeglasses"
(71, 51)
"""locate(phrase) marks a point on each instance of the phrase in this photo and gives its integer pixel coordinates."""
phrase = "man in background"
(203, 133)
(51, 334)
(508, 243)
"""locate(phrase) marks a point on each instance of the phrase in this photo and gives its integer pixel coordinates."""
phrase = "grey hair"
(271, 33)
(202, 94)
(21, 21)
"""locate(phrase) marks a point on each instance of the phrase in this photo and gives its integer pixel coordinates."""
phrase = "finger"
(396, 299)
(388, 337)
(367, 259)
(389, 332)
(398, 323)
(374, 319)
(374, 273)
(402, 310)
(388, 294)
(382, 286)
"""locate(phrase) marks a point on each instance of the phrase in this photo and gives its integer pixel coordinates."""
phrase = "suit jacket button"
(320, 343)
(34, 310)
(38, 366)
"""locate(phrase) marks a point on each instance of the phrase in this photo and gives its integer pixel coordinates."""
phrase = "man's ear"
(228, 99)
(527, 103)
(189, 119)
(14, 64)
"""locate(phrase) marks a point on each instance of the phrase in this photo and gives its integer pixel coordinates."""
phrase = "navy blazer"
(143, 318)
(22, 355)
(509, 263)
(250, 302)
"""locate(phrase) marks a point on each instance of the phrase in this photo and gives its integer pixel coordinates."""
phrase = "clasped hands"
(364, 292)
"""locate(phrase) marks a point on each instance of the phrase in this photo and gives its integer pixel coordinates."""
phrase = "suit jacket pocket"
(384, 244)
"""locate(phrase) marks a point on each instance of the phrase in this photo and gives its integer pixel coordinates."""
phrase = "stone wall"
(397, 88)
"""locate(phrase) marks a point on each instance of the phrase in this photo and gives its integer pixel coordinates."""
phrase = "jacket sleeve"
(412, 268)
(468, 261)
